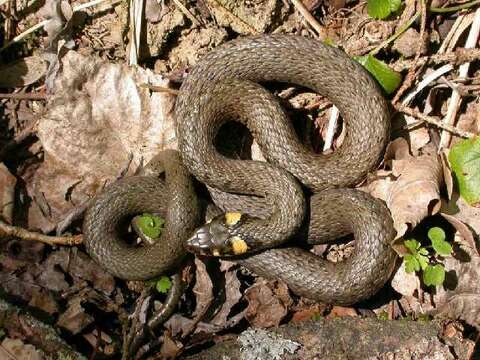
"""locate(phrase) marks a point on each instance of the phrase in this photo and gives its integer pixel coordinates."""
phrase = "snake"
(295, 195)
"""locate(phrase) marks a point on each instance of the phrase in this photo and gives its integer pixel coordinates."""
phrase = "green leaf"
(395, 5)
(464, 160)
(151, 225)
(388, 79)
(423, 251)
(412, 245)
(437, 234)
(411, 263)
(163, 284)
(434, 275)
(378, 9)
(422, 259)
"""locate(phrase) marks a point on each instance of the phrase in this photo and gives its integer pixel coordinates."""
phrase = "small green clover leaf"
(163, 284)
(412, 245)
(437, 236)
(151, 225)
(434, 275)
(411, 263)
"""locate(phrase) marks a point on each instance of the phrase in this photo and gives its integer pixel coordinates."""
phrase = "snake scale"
(306, 193)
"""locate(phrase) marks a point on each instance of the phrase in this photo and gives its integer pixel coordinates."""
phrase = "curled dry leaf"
(412, 189)
(232, 296)
(460, 295)
(99, 119)
(203, 289)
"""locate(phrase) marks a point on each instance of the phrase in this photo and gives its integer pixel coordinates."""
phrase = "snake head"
(216, 237)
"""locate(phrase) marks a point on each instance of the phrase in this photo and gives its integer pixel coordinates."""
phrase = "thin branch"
(186, 12)
(433, 121)
(454, 8)
(332, 126)
(23, 96)
(457, 57)
(456, 98)
(309, 18)
(396, 35)
(10, 230)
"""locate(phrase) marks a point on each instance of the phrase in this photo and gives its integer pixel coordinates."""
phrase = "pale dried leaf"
(411, 191)
(405, 283)
(22, 72)
(7, 193)
(99, 119)
(465, 213)
(460, 296)
(463, 230)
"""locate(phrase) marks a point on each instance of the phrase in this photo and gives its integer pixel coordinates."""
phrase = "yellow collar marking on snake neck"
(239, 246)
(232, 218)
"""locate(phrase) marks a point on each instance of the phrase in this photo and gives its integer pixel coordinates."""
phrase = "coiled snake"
(224, 86)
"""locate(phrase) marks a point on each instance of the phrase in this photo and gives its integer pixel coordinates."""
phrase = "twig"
(426, 81)
(410, 78)
(23, 96)
(41, 24)
(456, 99)
(454, 8)
(186, 12)
(233, 17)
(332, 126)
(396, 35)
(433, 121)
(156, 88)
(457, 57)
(309, 18)
(10, 230)
(136, 19)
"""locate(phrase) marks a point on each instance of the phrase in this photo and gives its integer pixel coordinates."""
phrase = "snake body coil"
(223, 86)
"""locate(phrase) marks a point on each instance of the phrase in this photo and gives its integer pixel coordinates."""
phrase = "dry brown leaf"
(469, 215)
(412, 189)
(99, 119)
(17, 349)
(7, 193)
(75, 319)
(79, 266)
(265, 308)
(459, 298)
(232, 294)
(22, 72)
(203, 288)
(341, 311)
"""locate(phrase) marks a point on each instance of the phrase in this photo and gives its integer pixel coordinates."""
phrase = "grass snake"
(306, 193)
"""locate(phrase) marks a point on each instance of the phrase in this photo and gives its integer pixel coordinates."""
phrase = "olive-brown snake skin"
(224, 86)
